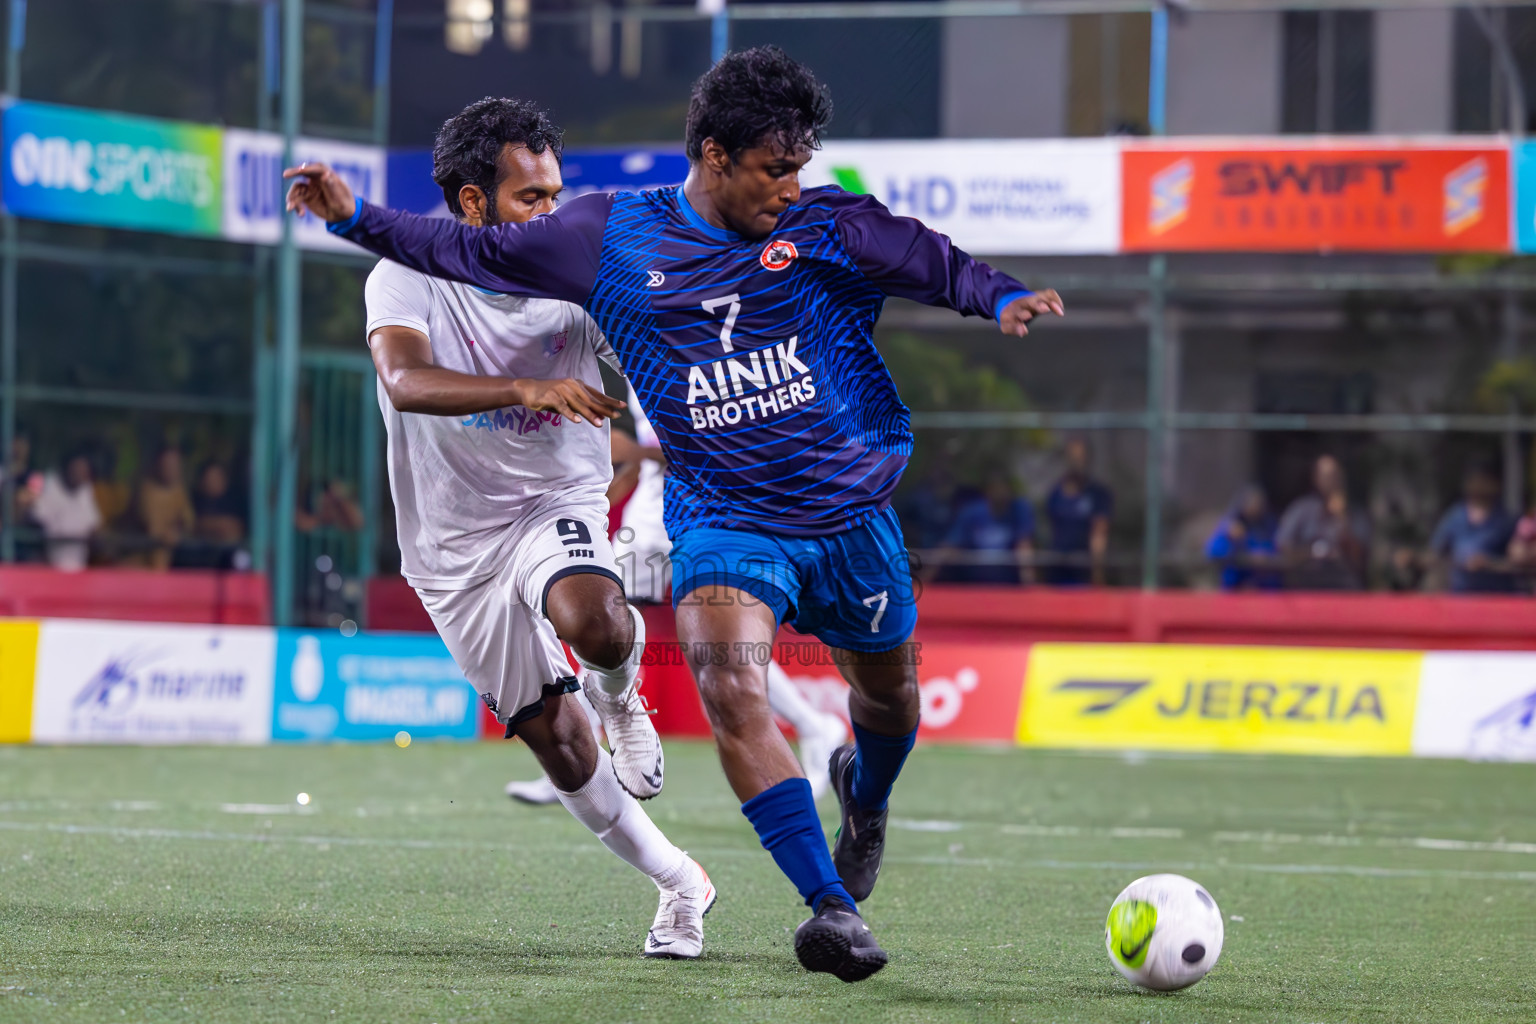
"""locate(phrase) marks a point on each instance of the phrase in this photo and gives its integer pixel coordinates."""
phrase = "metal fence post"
(1156, 418)
(286, 385)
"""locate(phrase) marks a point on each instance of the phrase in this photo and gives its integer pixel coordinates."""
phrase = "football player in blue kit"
(742, 308)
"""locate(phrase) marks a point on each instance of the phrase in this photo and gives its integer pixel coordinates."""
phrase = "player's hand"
(319, 190)
(1024, 309)
(570, 398)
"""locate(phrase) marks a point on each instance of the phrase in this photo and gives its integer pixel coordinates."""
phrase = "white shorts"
(498, 631)
(645, 562)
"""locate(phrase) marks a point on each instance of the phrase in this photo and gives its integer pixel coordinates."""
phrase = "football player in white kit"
(498, 452)
(643, 552)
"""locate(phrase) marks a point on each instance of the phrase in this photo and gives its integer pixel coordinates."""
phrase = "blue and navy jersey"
(755, 359)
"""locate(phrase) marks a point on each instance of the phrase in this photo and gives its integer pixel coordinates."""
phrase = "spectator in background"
(1244, 543)
(1322, 539)
(219, 524)
(1079, 509)
(17, 471)
(65, 508)
(336, 508)
(1474, 536)
(165, 508)
(1000, 524)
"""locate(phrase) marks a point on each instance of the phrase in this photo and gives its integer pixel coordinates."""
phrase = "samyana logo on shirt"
(778, 254)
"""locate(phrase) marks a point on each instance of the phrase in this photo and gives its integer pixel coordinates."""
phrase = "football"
(1164, 932)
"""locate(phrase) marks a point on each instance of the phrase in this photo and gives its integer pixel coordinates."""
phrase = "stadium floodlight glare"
(468, 25)
(514, 25)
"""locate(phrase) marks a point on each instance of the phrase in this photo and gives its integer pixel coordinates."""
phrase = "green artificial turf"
(152, 884)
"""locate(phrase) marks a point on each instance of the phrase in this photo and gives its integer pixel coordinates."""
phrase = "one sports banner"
(369, 687)
(1254, 699)
(1333, 195)
(1049, 196)
(114, 170)
(254, 188)
(147, 683)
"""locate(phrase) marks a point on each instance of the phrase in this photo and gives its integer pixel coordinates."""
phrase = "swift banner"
(992, 198)
(111, 169)
(1263, 198)
(254, 187)
(1255, 699)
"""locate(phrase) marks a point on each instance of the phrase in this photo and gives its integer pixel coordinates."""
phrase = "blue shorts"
(851, 590)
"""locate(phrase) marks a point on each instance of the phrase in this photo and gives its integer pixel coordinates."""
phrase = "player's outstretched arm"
(552, 257)
(904, 258)
(414, 383)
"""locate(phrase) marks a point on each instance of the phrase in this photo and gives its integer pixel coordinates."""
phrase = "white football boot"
(632, 739)
(678, 931)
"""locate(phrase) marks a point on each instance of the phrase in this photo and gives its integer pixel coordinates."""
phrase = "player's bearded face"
(760, 185)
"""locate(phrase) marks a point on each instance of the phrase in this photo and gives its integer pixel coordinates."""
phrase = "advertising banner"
(145, 683)
(411, 186)
(113, 170)
(369, 687)
(1317, 198)
(18, 665)
(970, 692)
(254, 189)
(992, 197)
(1477, 705)
(1523, 156)
(1254, 699)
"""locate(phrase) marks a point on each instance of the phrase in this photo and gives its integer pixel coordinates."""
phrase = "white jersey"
(642, 513)
(462, 485)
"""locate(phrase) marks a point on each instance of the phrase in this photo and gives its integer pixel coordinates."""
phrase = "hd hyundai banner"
(1343, 195)
(1001, 198)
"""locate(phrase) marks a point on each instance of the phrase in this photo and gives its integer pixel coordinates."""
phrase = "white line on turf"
(1355, 870)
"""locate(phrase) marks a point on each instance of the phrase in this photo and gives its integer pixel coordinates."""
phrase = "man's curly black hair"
(757, 97)
(469, 144)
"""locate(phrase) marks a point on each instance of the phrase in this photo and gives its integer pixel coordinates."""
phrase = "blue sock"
(787, 826)
(877, 760)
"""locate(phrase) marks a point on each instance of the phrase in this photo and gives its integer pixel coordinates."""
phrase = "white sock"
(614, 681)
(786, 700)
(617, 819)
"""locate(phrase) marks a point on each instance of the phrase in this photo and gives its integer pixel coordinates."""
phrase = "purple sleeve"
(904, 258)
(553, 257)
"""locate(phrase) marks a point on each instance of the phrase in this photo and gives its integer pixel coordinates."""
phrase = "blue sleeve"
(903, 258)
(553, 257)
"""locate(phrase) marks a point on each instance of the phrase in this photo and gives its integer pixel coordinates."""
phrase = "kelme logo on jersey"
(778, 254)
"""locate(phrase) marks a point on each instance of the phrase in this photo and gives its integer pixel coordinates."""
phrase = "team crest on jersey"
(779, 254)
(554, 344)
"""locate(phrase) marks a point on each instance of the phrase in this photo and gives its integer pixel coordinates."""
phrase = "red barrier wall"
(975, 640)
(135, 595)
